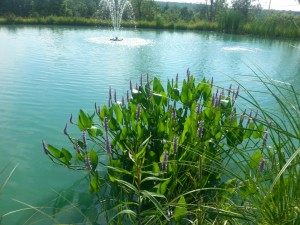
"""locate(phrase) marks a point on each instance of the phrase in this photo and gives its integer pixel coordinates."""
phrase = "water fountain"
(116, 10)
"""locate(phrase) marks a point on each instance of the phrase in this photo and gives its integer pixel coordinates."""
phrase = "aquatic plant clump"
(165, 151)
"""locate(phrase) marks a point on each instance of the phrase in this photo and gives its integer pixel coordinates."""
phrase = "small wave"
(129, 42)
(239, 48)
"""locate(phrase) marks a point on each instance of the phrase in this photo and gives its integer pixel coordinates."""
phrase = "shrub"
(165, 152)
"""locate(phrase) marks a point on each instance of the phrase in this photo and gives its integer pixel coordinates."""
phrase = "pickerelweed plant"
(167, 153)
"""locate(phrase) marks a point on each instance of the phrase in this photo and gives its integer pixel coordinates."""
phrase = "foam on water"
(129, 42)
(240, 49)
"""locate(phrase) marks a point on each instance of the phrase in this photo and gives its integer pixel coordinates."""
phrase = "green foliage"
(165, 151)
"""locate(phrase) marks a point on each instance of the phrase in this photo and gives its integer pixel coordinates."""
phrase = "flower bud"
(108, 146)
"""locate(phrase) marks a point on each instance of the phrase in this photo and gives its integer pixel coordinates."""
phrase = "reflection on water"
(47, 73)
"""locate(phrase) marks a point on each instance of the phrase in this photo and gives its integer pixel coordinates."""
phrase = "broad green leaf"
(54, 151)
(94, 158)
(180, 209)
(104, 112)
(84, 120)
(187, 125)
(95, 183)
(95, 131)
(186, 94)
(255, 159)
(67, 156)
(118, 113)
(259, 132)
(163, 186)
(157, 86)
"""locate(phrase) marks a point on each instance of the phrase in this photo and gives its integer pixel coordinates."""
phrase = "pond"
(48, 73)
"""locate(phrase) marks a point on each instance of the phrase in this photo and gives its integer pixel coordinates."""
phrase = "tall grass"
(272, 24)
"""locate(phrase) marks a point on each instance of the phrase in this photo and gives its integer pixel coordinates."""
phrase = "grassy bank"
(273, 25)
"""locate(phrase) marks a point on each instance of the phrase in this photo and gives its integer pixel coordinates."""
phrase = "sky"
(275, 4)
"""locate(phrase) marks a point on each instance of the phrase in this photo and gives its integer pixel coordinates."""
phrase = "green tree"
(245, 6)
(216, 6)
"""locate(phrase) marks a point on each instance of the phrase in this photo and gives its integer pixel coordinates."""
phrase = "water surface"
(49, 72)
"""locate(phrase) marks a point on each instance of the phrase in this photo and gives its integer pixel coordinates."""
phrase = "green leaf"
(84, 121)
(157, 86)
(142, 149)
(255, 159)
(95, 131)
(187, 125)
(259, 132)
(151, 196)
(95, 184)
(163, 186)
(67, 156)
(186, 94)
(54, 151)
(180, 209)
(94, 158)
(118, 113)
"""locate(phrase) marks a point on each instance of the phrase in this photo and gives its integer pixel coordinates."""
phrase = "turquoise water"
(47, 73)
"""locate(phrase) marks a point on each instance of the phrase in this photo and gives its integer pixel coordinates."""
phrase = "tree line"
(240, 16)
(143, 9)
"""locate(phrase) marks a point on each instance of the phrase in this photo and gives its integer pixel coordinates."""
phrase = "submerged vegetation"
(188, 153)
(244, 17)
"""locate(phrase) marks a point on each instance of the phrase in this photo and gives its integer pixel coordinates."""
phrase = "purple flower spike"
(164, 164)
(148, 80)
(130, 85)
(127, 96)
(175, 144)
(109, 94)
(266, 135)
(46, 151)
(233, 96)
(141, 80)
(77, 148)
(256, 115)
(106, 127)
(174, 115)
(65, 129)
(198, 110)
(108, 146)
(262, 165)
(123, 101)
(71, 119)
(88, 163)
(188, 75)
(249, 119)
(237, 92)
(212, 82)
(84, 140)
(229, 90)
(115, 95)
(176, 78)
(109, 103)
(138, 112)
(97, 109)
(242, 117)
(200, 129)
(232, 115)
